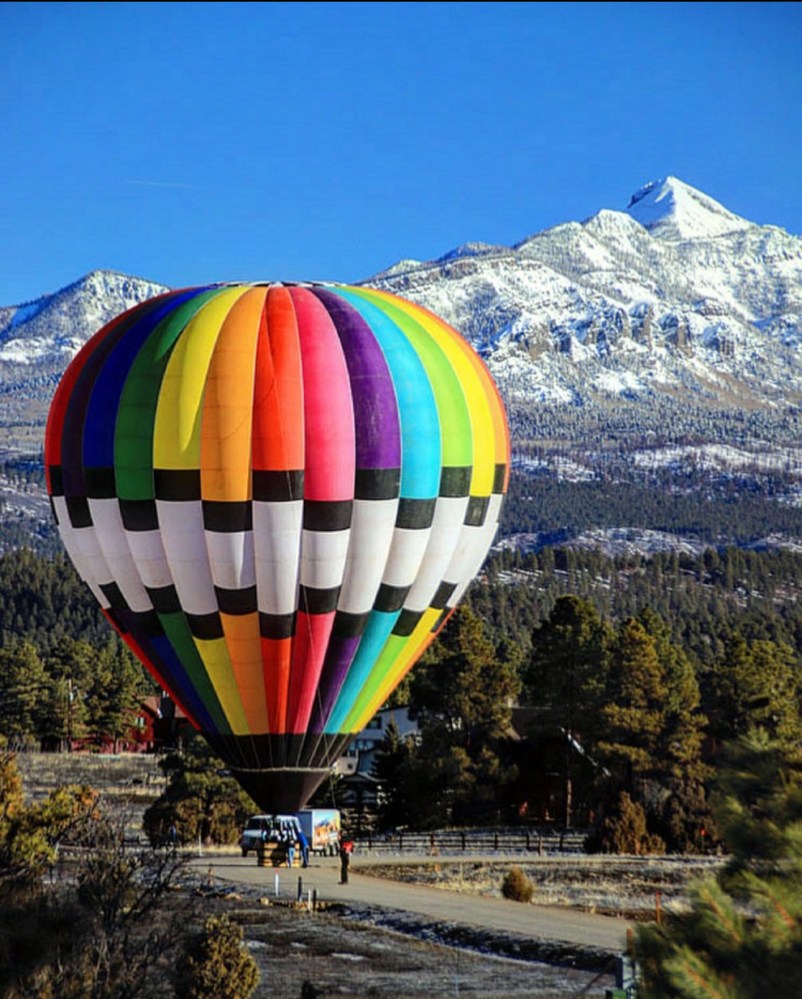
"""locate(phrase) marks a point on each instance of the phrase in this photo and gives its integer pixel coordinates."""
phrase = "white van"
(267, 829)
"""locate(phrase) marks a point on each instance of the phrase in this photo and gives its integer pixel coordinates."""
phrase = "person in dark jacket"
(346, 846)
(304, 844)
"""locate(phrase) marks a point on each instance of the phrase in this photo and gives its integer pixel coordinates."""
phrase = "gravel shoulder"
(355, 949)
(369, 939)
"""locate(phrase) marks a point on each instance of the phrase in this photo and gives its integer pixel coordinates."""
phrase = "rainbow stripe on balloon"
(277, 493)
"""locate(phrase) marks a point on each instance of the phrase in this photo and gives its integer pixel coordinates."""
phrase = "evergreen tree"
(72, 664)
(636, 703)
(755, 683)
(624, 830)
(566, 676)
(63, 715)
(742, 938)
(217, 963)
(566, 672)
(24, 687)
(682, 815)
(392, 769)
(74, 659)
(462, 685)
(461, 695)
(684, 724)
(200, 799)
(115, 692)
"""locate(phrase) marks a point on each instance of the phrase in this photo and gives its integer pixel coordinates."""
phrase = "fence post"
(300, 888)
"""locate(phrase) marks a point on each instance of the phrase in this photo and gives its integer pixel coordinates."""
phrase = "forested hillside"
(64, 674)
(703, 599)
(43, 601)
(713, 510)
(649, 664)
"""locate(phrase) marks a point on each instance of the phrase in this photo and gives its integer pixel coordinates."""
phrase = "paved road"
(498, 914)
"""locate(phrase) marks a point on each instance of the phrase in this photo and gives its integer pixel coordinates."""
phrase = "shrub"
(103, 930)
(517, 886)
(624, 831)
(217, 963)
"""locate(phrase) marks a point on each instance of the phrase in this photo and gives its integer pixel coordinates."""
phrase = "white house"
(361, 752)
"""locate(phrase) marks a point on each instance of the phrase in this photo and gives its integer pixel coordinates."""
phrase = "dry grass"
(629, 887)
(128, 782)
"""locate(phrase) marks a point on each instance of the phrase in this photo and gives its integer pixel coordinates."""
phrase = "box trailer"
(322, 828)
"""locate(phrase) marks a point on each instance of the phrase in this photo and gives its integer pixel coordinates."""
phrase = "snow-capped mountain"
(676, 211)
(674, 298)
(54, 327)
(673, 301)
(39, 338)
(657, 347)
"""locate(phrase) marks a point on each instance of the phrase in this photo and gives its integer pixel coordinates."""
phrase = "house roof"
(161, 706)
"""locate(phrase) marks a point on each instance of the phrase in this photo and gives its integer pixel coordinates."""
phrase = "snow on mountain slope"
(674, 302)
(55, 326)
(672, 210)
(658, 346)
(676, 297)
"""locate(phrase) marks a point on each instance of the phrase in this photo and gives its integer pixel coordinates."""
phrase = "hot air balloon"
(278, 493)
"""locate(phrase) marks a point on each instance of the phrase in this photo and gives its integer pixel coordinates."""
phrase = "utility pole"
(69, 714)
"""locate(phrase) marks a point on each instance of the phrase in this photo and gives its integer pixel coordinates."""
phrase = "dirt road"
(539, 923)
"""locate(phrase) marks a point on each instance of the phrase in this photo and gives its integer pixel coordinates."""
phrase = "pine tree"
(462, 682)
(635, 711)
(24, 687)
(566, 675)
(217, 963)
(683, 818)
(391, 769)
(461, 695)
(742, 938)
(114, 693)
(624, 830)
(756, 683)
(200, 799)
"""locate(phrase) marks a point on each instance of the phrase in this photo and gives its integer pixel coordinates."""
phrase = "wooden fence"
(486, 841)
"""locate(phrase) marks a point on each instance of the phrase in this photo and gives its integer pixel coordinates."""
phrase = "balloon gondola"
(278, 493)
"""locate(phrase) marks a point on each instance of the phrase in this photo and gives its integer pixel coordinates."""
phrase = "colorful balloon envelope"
(278, 493)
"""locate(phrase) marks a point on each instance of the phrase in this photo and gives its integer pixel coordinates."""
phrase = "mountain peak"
(673, 210)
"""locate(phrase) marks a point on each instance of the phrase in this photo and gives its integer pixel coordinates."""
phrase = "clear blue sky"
(193, 142)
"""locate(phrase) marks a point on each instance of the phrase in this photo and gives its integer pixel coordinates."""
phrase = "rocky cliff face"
(674, 300)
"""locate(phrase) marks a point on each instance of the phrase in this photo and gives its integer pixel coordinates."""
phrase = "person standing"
(346, 846)
(303, 842)
(289, 838)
